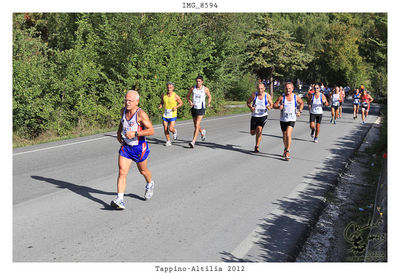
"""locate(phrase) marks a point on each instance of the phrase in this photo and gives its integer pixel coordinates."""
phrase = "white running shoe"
(168, 143)
(175, 135)
(149, 190)
(203, 135)
(118, 203)
(316, 140)
(191, 144)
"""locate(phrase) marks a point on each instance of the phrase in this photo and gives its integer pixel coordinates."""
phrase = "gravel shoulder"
(353, 225)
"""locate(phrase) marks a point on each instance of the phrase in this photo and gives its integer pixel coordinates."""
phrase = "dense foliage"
(71, 70)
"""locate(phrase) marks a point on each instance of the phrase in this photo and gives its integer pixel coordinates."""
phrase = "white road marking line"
(259, 232)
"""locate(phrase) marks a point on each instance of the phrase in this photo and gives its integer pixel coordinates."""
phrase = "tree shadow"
(283, 232)
(84, 191)
(235, 148)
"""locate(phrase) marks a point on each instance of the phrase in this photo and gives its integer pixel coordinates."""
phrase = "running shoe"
(312, 133)
(203, 135)
(316, 140)
(175, 134)
(118, 203)
(256, 149)
(191, 144)
(331, 120)
(168, 143)
(334, 122)
(287, 155)
(149, 190)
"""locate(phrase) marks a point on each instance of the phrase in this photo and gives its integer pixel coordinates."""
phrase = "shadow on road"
(235, 148)
(284, 231)
(84, 191)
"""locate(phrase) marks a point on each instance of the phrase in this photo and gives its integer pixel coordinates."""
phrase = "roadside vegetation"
(71, 70)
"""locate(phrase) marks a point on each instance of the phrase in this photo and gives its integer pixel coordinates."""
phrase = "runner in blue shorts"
(135, 125)
(171, 102)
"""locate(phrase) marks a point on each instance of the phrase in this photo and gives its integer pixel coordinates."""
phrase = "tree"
(273, 52)
(344, 65)
(32, 105)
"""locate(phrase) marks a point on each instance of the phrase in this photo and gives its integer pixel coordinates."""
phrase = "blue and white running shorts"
(137, 153)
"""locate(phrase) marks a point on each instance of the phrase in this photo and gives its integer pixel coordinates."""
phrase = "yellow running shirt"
(169, 103)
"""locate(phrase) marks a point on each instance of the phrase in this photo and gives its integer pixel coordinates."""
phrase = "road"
(218, 202)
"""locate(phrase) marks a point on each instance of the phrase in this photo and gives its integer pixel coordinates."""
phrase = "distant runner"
(342, 96)
(134, 126)
(315, 105)
(198, 104)
(288, 103)
(356, 103)
(259, 103)
(335, 102)
(171, 102)
(366, 99)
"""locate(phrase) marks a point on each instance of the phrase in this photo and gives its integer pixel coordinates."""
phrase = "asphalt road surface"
(218, 202)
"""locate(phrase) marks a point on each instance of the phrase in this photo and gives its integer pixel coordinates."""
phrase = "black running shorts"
(284, 125)
(257, 121)
(316, 117)
(198, 112)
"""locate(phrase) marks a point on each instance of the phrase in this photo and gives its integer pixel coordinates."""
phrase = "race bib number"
(289, 116)
(260, 111)
(365, 104)
(335, 104)
(168, 113)
(131, 128)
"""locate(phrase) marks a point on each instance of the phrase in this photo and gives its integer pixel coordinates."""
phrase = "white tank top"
(261, 106)
(199, 98)
(130, 125)
(335, 99)
(356, 98)
(288, 113)
(316, 105)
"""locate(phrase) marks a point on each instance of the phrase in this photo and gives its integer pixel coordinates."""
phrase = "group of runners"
(135, 124)
(363, 99)
(290, 105)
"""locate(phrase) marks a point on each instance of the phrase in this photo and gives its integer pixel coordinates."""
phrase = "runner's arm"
(207, 91)
(278, 103)
(162, 102)
(180, 103)
(144, 120)
(300, 101)
(119, 133)
(270, 103)
(309, 101)
(188, 96)
(324, 101)
(250, 100)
